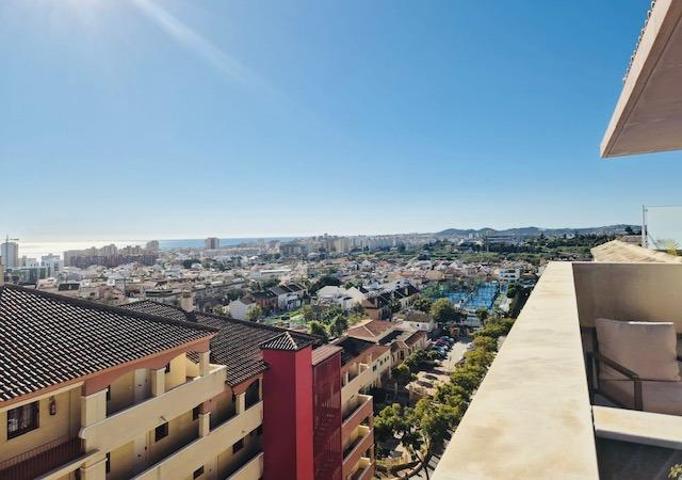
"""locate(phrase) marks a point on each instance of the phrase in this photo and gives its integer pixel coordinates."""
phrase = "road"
(454, 355)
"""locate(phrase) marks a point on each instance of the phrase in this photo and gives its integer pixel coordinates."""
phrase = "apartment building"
(587, 384)
(152, 391)
(96, 392)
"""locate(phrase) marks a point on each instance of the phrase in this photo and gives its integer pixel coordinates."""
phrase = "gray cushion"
(647, 348)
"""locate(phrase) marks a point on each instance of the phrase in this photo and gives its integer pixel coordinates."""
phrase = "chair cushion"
(647, 348)
(657, 397)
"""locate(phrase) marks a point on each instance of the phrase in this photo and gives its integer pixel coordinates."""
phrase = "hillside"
(536, 231)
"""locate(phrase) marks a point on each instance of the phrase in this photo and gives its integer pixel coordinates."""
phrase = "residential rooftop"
(48, 340)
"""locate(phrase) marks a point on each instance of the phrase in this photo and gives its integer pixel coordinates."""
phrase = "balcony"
(541, 401)
(361, 380)
(365, 469)
(41, 460)
(130, 423)
(362, 410)
(186, 460)
(253, 470)
(356, 450)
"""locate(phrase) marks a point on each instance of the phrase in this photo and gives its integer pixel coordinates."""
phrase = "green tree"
(339, 325)
(423, 304)
(317, 328)
(443, 311)
(308, 313)
(234, 293)
(388, 425)
(482, 314)
(254, 313)
(402, 374)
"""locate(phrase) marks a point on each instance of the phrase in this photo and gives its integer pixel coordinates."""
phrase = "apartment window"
(198, 472)
(161, 432)
(238, 446)
(22, 419)
(259, 430)
(195, 412)
(109, 393)
(167, 369)
(107, 465)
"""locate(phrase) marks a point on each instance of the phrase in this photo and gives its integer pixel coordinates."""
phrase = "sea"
(38, 249)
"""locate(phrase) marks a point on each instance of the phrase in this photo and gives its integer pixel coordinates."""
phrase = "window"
(195, 412)
(198, 472)
(161, 432)
(109, 393)
(238, 446)
(107, 465)
(167, 369)
(259, 430)
(22, 419)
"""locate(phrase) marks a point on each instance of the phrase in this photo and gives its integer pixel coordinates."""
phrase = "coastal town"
(406, 313)
(304, 240)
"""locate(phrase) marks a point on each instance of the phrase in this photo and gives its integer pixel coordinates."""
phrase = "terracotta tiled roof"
(371, 329)
(48, 339)
(352, 348)
(237, 344)
(287, 341)
(322, 353)
(415, 337)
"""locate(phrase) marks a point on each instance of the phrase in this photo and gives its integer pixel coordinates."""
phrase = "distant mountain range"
(536, 231)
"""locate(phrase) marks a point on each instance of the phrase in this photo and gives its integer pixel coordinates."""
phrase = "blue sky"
(172, 119)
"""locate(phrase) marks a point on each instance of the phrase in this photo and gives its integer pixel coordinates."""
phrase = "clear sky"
(125, 119)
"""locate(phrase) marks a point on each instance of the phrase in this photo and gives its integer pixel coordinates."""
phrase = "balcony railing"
(124, 426)
(183, 462)
(252, 470)
(360, 381)
(365, 470)
(40, 460)
(353, 454)
(362, 410)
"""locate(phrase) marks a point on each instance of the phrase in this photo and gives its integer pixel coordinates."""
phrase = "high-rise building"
(53, 263)
(212, 243)
(9, 251)
(152, 246)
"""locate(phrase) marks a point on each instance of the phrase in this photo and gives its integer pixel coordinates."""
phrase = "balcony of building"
(208, 446)
(356, 380)
(360, 445)
(545, 408)
(41, 460)
(252, 470)
(135, 421)
(365, 469)
(356, 412)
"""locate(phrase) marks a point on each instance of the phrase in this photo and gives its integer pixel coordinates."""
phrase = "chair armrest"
(628, 373)
(617, 366)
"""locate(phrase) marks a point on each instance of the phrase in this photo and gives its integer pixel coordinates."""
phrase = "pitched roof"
(237, 344)
(415, 337)
(289, 341)
(618, 251)
(48, 339)
(322, 353)
(352, 348)
(371, 329)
